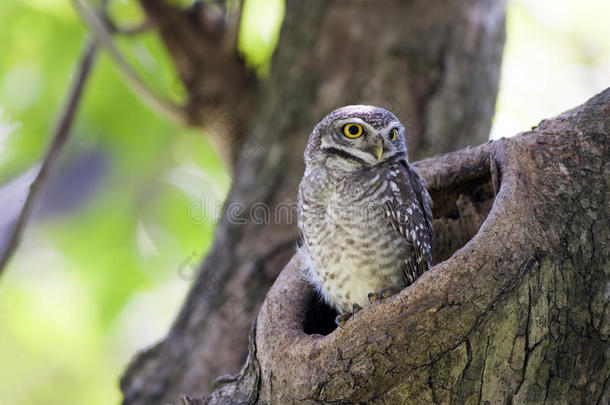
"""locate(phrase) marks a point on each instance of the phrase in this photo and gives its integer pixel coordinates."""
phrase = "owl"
(364, 212)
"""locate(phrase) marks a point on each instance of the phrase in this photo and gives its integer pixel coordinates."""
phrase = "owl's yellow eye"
(394, 135)
(352, 131)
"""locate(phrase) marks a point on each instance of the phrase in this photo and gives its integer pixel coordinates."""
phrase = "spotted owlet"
(364, 211)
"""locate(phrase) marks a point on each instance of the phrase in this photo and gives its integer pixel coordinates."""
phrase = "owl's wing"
(409, 210)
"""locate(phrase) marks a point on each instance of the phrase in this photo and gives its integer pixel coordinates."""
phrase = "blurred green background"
(97, 275)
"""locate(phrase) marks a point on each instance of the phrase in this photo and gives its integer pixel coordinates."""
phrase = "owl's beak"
(379, 149)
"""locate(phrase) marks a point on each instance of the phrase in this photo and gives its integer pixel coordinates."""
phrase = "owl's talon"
(383, 293)
(344, 317)
(373, 297)
(386, 292)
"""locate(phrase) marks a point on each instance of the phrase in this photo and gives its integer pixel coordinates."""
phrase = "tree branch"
(202, 41)
(129, 30)
(103, 36)
(60, 137)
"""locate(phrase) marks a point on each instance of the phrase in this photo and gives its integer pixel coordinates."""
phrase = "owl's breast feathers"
(360, 220)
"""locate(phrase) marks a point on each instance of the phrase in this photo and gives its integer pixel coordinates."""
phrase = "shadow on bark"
(519, 312)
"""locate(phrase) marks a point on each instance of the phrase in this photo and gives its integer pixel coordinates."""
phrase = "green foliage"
(95, 278)
(259, 32)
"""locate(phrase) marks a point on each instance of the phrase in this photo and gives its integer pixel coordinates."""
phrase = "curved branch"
(202, 41)
(60, 137)
(103, 36)
(125, 30)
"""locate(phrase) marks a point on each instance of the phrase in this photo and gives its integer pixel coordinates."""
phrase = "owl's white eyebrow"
(391, 125)
(353, 120)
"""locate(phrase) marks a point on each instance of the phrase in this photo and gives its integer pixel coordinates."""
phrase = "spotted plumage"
(364, 211)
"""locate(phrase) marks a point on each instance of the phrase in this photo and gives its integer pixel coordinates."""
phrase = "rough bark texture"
(520, 313)
(436, 65)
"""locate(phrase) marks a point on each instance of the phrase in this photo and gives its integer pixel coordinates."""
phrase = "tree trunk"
(518, 312)
(435, 65)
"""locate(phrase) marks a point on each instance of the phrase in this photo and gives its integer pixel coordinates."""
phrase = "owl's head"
(356, 137)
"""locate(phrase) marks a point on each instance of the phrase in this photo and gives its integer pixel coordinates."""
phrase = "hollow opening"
(459, 211)
(320, 318)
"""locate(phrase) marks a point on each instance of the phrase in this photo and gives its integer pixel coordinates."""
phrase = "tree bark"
(435, 65)
(520, 313)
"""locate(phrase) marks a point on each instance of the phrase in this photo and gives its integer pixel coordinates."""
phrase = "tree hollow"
(516, 309)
